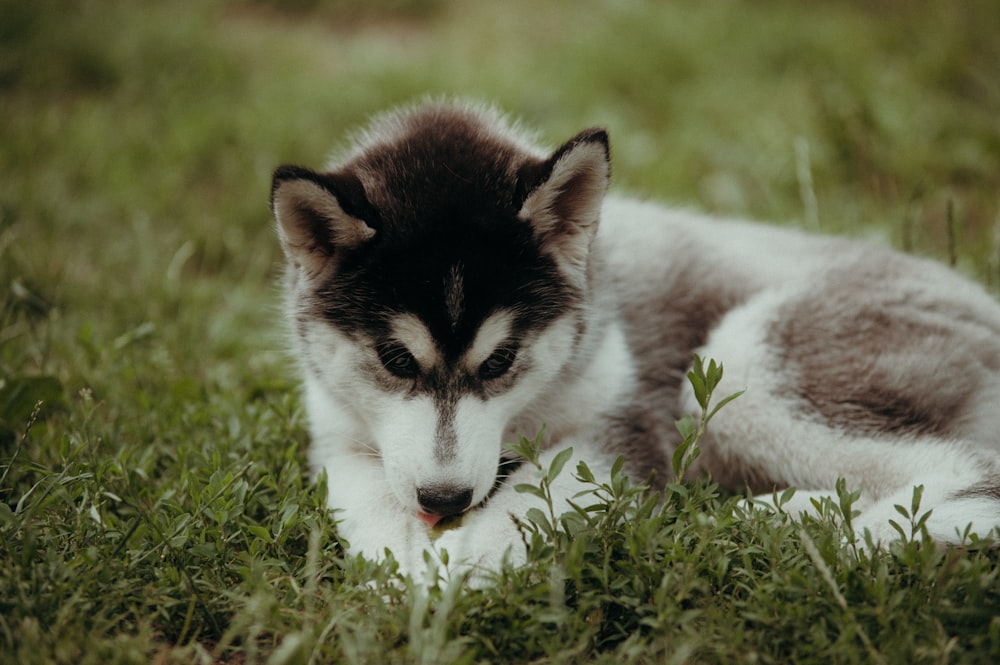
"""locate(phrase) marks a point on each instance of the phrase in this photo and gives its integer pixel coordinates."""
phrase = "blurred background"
(137, 257)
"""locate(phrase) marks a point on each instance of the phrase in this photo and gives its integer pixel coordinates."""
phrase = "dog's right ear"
(319, 215)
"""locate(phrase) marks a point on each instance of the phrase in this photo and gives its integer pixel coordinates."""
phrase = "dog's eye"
(498, 363)
(399, 361)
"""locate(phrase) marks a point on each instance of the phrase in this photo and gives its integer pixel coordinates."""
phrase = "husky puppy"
(451, 286)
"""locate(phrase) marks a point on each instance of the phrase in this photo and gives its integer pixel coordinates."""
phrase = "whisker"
(361, 448)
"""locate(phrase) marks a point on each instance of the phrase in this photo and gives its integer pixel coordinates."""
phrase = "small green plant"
(704, 380)
(916, 521)
(614, 500)
(531, 452)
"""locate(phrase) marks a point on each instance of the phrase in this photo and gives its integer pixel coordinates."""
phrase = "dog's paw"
(402, 536)
(479, 547)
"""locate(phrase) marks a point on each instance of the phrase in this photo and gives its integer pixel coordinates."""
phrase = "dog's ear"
(565, 193)
(319, 215)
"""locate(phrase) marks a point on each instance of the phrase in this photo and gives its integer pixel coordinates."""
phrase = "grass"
(154, 501)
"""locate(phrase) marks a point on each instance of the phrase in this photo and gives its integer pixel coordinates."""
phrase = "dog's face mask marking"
(453, 274)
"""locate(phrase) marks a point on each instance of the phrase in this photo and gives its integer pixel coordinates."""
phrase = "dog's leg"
(954, 514)
(369, 517)
(490, 534)
(961, 483)
(956, 510)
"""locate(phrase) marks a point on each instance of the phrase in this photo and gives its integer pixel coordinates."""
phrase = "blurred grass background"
(138, 138)
(137, 258)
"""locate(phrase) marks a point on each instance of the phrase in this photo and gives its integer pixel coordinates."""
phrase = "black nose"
(444, 500)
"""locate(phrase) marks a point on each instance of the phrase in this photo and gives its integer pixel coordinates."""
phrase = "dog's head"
(437, 278)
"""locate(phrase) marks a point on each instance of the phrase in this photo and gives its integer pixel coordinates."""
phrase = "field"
(155, 505)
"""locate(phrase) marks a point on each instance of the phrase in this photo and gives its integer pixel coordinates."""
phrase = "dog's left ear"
(565, 193)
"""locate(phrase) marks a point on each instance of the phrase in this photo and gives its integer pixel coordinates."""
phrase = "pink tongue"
(428, 519)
